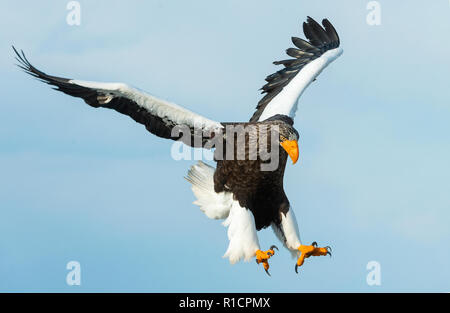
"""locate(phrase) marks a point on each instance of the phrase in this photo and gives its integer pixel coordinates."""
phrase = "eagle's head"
(287, 134)
(288, 138)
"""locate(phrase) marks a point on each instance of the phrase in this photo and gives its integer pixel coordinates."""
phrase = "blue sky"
(90, 185)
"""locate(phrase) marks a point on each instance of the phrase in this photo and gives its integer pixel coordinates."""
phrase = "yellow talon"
(312, 250)
(264, 256)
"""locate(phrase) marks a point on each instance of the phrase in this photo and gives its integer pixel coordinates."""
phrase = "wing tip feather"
(319, 39)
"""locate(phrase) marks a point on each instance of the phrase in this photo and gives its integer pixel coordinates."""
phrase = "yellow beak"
(291, 147)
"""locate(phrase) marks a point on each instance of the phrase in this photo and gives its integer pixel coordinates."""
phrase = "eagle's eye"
(282, 138)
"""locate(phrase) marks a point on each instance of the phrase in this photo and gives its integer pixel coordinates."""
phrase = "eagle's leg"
(312, 250)
(243, 238)
(264, 256)
(287, 231)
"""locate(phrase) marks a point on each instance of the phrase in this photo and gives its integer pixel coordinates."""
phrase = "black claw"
(329, 248)
(273, 247)
(296, 267)
(328, 253)
(267, 271)
(314, 244)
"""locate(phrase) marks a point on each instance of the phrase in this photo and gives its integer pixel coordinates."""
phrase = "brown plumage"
(261, 191)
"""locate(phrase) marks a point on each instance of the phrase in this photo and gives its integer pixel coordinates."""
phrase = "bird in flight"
(246, 187)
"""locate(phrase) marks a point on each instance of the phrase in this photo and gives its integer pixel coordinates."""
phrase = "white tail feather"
(240, 221)
(214, 205)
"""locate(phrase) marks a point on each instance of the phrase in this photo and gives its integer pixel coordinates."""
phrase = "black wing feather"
(331, 32)
(318, 31)
(320, 40)
(153, 123)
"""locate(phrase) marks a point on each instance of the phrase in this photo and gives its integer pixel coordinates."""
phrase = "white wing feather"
(285, 102)
(161, 108)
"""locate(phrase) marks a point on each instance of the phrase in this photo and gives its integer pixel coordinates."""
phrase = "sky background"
(90, 185)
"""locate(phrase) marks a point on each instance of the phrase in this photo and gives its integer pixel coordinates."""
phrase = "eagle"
(246, 187)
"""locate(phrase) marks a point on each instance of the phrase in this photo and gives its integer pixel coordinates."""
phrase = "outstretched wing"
(284, 87)
(159, 117)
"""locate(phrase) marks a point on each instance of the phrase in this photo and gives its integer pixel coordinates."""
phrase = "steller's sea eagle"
(240, 190)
